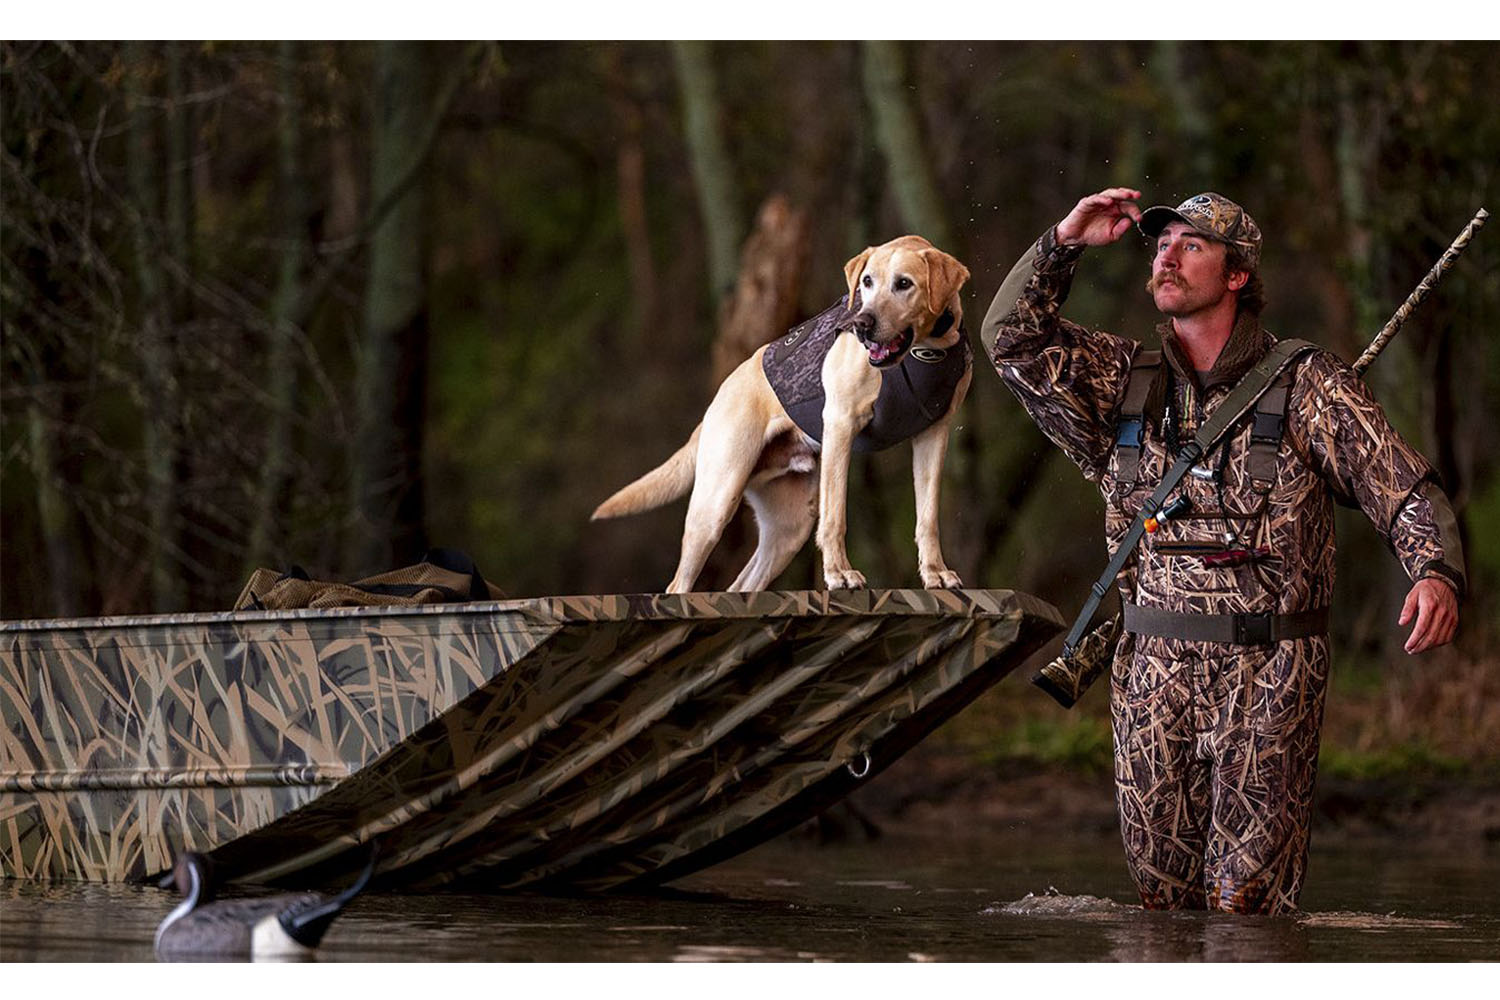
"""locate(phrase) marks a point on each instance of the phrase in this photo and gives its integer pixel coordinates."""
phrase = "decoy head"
(192, 874)
(193, 877)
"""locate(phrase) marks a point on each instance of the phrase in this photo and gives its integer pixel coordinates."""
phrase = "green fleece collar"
(1247, 344)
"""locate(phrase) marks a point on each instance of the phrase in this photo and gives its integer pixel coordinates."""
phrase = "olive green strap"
(1240, 630)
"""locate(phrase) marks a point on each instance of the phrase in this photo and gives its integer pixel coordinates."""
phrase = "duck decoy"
(286, 926)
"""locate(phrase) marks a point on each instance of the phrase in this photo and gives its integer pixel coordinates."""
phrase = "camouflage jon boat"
(581, 742)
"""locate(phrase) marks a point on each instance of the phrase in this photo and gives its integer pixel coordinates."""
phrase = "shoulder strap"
(1243, 396)
(1266, 433)
(1255, 382)
(1130, 428)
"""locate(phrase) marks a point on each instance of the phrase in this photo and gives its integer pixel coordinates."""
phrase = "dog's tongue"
(882, 354)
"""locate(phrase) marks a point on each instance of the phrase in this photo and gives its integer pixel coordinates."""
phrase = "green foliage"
(1078, 743)
(1401, 761)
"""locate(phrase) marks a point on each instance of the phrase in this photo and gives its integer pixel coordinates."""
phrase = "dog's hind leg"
(786, 508)
(726, 459)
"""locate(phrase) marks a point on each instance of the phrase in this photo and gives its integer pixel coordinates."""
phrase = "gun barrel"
(1423, 289)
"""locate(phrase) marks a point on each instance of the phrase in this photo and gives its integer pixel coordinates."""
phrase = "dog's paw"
(844, 579)
(941, 580)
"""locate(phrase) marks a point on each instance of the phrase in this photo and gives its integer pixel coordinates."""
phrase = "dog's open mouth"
(886, 354)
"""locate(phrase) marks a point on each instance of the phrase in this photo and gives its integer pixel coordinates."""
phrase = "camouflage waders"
(1217, 748)
(1220, 672)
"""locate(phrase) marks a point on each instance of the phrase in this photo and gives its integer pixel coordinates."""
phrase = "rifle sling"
(1240, 399)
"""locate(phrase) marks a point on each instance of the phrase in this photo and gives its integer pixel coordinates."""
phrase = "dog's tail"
(663, 484)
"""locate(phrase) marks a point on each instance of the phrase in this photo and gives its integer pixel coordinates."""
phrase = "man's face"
(1187, 273)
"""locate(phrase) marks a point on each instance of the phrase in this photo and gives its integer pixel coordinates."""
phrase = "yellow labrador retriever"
(899, 329)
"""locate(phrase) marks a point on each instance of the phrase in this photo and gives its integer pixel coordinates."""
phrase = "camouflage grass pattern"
(1213, 778)
(1218, 753)
(589, 742)
(1067, 677)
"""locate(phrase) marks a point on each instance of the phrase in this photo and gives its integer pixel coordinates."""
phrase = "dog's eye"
(902, 283)
(869, 282)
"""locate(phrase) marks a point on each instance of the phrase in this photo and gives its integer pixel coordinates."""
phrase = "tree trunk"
(180, 215)
(763, 305)
(159, 387)
(768, 292)
(64, 557)
(1362, 127)
(180, 219)
(1328, 287)
(391, 367)
(898, 133)
(1190, 128)
(630, 175)
(708, 156)
(281, 357)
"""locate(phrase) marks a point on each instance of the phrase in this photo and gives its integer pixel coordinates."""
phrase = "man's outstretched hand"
(1101, 218)
(1435, 606)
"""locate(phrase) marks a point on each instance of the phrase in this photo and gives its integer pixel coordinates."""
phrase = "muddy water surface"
(1012, 897)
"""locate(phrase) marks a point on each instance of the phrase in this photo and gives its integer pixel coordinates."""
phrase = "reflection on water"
(1008, 898)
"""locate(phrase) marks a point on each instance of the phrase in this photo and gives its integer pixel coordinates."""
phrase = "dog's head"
(905, 287)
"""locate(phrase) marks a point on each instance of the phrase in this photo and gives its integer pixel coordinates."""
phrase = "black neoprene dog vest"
(914, 394)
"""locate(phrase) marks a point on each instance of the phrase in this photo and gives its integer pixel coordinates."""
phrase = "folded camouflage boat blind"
(443, 576)
(583, 742)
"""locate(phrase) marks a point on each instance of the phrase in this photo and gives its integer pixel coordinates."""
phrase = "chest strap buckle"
(1268, 427)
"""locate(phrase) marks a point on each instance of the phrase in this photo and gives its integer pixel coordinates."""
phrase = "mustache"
(1164, 278)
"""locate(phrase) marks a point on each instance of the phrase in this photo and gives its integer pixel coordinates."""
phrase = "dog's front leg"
(833, 493)
(928, 450)
(850, 388)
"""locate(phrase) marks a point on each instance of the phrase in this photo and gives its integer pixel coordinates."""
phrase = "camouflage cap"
(1213, 215)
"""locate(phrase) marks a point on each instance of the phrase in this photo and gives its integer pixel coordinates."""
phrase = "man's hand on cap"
(1101, 218)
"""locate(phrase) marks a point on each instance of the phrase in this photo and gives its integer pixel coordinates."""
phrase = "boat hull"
(584, 742)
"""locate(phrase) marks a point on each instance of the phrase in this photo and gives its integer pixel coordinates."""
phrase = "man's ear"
(1237, 280)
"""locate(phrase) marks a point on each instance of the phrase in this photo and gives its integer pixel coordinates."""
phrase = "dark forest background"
(330, 303)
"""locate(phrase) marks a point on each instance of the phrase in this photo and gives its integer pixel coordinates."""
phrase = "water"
(1009, 897)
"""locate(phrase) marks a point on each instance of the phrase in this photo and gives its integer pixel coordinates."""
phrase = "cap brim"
(1158, 217)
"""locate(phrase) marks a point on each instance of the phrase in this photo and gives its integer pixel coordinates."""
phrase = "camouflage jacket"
(1337, 446)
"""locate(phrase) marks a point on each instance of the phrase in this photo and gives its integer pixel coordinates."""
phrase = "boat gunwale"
(602, 609)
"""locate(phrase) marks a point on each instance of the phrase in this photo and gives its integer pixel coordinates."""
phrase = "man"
(1219, 676)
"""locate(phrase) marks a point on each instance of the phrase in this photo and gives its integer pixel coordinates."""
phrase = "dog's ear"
(945, 276)
(852, 271)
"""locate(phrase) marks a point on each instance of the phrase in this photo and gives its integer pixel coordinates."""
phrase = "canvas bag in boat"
(443, 576)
